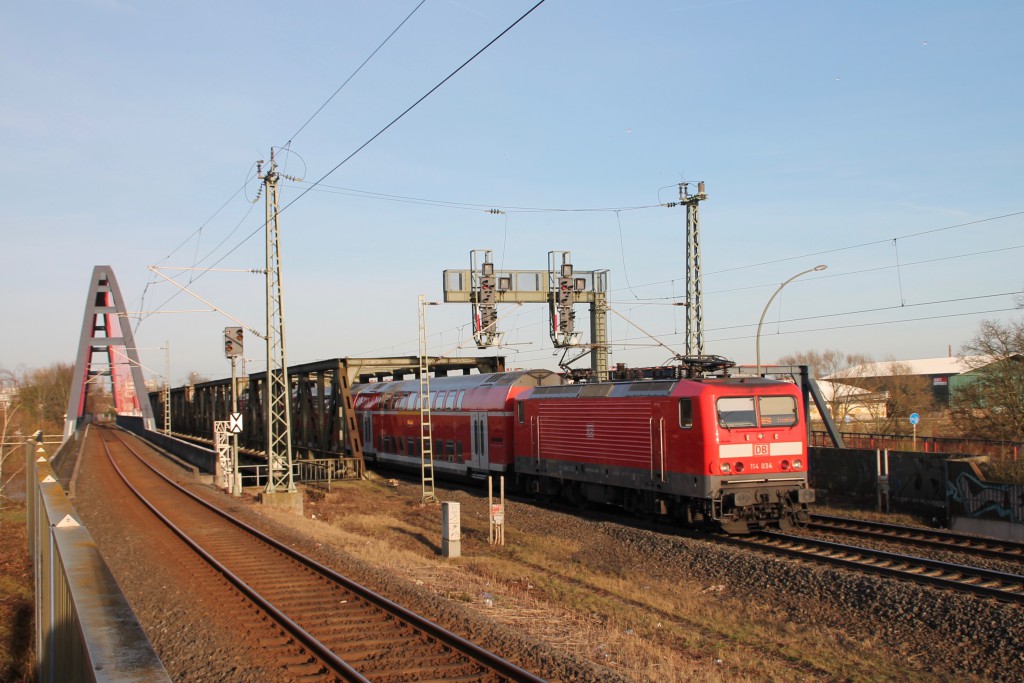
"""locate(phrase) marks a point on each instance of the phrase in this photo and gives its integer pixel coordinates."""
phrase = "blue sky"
(882, 139)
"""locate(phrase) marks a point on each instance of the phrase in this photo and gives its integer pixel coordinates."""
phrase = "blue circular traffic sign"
(914, 418)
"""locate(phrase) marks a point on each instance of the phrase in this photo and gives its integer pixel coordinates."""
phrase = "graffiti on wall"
(969, 495)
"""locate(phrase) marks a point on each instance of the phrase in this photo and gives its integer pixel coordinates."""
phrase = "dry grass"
(16, 596)
(581, 602)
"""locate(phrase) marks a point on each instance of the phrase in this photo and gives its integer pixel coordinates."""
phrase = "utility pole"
(694, 277)
(277, 392)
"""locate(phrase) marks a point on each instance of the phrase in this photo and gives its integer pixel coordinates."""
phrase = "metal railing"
(85, 629)
(327, 470)
(926, 444)
(322, 472)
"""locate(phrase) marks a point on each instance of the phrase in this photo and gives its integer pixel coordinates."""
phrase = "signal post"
(233, 348)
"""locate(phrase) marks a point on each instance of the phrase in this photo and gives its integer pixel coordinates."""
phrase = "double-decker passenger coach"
(471, 420)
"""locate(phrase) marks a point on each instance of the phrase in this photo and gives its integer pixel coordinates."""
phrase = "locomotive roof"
(606, 389)
(514, 378)
(641, 388)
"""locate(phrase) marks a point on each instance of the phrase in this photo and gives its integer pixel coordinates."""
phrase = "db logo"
(760, 449)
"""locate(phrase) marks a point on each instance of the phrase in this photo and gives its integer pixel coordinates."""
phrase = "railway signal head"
(233, 346)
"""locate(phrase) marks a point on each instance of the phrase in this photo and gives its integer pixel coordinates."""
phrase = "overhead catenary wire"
(847, 248)
(353, 74)
(323, 187)
(380, 132)
(867, 310)
(415, 104)
(474, 206)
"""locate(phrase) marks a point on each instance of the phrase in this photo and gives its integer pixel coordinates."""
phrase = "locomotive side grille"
(610, 432)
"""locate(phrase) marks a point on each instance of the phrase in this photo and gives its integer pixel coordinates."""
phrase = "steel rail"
(963, 578)
(315, 647)
(469, 649)
(930, 538)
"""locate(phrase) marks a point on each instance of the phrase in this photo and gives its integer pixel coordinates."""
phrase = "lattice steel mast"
(426, 436)
(277, 387)
(694, 277)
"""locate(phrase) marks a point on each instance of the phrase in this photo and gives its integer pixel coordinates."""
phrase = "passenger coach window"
(777, 411)
(685, 413)
(736, 411)
(449, 401)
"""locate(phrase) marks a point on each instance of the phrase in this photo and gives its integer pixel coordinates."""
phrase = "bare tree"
(846, 399)
(988, 400)
(905, 392)
(10, 404)
(195, 378)
(44, 394)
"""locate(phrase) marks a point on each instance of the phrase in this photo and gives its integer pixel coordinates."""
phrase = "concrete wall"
(975, 501)
(203, 458)
(988, 527)
(914, 478)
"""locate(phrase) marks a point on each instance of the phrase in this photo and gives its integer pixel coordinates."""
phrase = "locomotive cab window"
(685, 413)
(777, 411)
(736, 412)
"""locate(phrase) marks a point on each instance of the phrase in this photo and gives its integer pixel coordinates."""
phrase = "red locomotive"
(728, 451)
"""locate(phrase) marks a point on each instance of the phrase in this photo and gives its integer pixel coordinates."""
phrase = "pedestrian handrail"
(85, 629)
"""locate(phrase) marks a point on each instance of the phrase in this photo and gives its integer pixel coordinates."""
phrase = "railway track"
(332, 628)
(964, 578)
(926, 538)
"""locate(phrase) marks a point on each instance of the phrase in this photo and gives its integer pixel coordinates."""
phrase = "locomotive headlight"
(725, 467)
(798, 464)
(784, 465)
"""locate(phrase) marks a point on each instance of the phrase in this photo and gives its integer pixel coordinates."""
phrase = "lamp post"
(768, 305)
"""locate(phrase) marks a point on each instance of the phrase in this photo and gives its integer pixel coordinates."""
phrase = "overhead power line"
(469, 206)
(847, 248)
(415, 104)
(353, 74)
(365, 144)
(869, 244)
(382, 130)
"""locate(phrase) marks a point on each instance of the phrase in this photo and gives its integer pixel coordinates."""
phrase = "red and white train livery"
(732, 451)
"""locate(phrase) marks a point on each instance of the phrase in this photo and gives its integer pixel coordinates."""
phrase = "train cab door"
(480, 459)
(368, 444)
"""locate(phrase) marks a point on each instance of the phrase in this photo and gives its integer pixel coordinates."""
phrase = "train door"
(368, 444)
(480, 459)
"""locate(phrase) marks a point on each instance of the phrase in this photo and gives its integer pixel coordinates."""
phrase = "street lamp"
(767, 305)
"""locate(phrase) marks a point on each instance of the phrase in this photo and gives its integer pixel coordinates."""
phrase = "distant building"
(7, 396)
(965, 378)
(849, 403)
(939, 373)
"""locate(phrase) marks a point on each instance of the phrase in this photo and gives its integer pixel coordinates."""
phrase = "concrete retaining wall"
(203, 458)
(914, 478)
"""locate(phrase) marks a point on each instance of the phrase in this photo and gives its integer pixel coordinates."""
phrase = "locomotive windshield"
(777, 411)
(738, 412)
